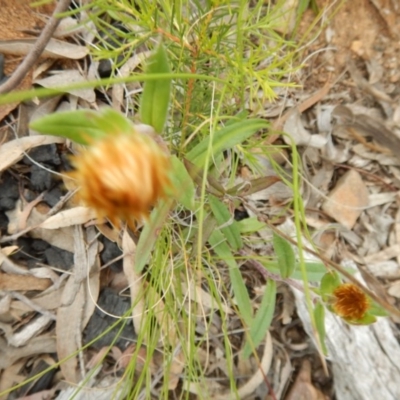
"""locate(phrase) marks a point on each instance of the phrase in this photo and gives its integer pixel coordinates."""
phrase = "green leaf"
(250, 225)
(150, 233)
(224, 218)
(319, 315)
(83, 126)
(156, 93)
(262, 319)
(367, 319)
(329, 282)
(183, 184)
(285, 256)
(377, 310)
(240, 292)
(315, 270)
(225, 138)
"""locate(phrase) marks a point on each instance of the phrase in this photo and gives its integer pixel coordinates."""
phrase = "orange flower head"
(350, 302)
(122, 176)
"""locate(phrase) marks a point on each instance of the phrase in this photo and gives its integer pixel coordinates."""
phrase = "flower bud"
(350, 302)
(122, 176)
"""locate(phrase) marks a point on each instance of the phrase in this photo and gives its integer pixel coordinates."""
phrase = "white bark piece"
(30, 330)
(365, 359)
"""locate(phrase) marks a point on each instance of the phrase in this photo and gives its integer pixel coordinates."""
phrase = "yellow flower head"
(350, 302)
(122, 176)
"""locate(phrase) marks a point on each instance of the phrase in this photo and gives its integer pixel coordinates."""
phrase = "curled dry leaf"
(13, 151)
(251, 385)
(78, 301)
(73, 216)
(303, 387)
(39, 345)
(54, 49)
(16, 282)
(135, 280)
(69, 77)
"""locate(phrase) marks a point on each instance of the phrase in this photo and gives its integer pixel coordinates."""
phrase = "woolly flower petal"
(350, 302)
(122, 176)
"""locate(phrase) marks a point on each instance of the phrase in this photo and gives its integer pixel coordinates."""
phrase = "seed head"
(122, 176)
(350, 302)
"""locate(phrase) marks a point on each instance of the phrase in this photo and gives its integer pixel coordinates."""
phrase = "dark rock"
(47, 153)
(66, 162)
(114, 304)
(39, 245)
(9, 192)
(41, 178)
(59, 258)
(3, 221)
(24, 249)
(53, 196)
(240, 214)
(35, 385)
(111, 251)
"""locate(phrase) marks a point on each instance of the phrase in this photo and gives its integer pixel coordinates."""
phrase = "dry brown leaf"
(17, 282)
(46, 301)
(39, 345)
(62, 238)
(78, 302)
(125, 71)
(13, 151)
(73, 216)
(303, 389)
(251, 385)
(135, 280)
(176, 369)
(70, 76)
(10, 377)
(203, 298)
(54, 49)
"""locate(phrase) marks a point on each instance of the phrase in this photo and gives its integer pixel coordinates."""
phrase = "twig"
(31, 58)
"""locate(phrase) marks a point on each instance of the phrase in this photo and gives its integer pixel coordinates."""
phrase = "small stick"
(31, 58)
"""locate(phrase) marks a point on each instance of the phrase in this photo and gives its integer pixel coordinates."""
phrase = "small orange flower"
(350, 302)
(122, 176)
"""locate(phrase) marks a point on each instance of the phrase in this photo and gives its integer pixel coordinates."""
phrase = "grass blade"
(231, 229)
(156, 93)
(262, 320)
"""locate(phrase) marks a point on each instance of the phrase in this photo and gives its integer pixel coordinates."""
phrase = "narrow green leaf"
(285, 256)
(240, 292)
(213, 186)
(183, 184)
(226, 138)
(377, 310)
(150, 233)
(262, 320)
(319, 315)
(250, 225)
(224, 218)
(315, 270)
(82, 126)
(78, 126)
(329, 282)
(156, 93)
